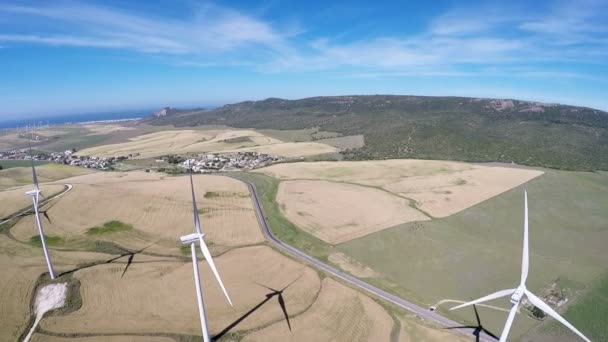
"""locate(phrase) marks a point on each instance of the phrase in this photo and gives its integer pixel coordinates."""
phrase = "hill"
(449, 128)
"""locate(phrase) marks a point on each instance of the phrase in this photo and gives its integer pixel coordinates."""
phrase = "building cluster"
(67, 157)
(212, 162)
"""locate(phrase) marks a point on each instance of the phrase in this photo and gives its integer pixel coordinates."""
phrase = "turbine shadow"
(478, 329)
(269, 296)
(130, 254)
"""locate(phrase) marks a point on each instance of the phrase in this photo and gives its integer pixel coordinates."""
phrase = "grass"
(8, 164)
(185, 250)
(478, 251)
(237, 140)
(589, 313)
(51, 241)
(280, 226)
(109, 228)
(212, 194)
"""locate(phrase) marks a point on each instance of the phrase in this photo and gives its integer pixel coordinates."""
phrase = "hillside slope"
(450, 128)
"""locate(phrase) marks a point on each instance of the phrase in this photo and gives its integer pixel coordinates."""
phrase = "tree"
(1, 167)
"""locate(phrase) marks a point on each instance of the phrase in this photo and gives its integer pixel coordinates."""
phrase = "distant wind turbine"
(518, 293)
(35, 194)
(191, 239)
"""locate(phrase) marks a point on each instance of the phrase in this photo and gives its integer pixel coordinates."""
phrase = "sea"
(76, 118)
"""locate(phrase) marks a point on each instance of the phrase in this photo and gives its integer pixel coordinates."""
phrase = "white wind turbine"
(191, 239)
(518, 293)
(35, 194)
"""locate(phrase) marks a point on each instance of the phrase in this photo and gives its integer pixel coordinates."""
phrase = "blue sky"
(61, 57)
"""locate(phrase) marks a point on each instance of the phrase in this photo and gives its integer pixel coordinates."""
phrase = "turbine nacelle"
(191, 238)
(33, 192)
(518, 294)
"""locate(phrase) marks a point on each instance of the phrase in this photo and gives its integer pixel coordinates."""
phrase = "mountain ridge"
(431, 127)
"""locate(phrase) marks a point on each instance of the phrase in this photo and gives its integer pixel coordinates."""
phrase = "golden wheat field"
(290, 149)
(158, 207)
(150, 296)
(18, 176)
(209, 140)
(14, 200)
(411, 332)
(182, 141)
(338, 212)
(439, 188)
(114, 338)
(339, 314)
(160, 297)
(21, 265)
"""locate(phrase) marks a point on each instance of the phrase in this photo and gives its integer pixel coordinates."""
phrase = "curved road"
(423, 313)
(26, 211)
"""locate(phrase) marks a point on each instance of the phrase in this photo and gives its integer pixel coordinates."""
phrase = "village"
(204, 163)
(67, 157)
(214, 162)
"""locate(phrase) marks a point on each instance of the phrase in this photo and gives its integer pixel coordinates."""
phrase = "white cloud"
(462, 42)
(211, 29)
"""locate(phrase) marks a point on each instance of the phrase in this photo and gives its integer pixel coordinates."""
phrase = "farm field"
(21, 266)
(8, 164)
(111, 280)
(158, 207)
(207, 140)
(19, 176)
(168, 303)
(15, 200)
(339, 314)
(50, 338)
(340, 201)
(478, 250)
(338, 212)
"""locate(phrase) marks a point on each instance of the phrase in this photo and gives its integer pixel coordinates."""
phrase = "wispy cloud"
(453, 43)
(211, 29)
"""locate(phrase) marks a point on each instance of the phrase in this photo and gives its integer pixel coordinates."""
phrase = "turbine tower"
(521, 291)
(191, 240)
(35, 194)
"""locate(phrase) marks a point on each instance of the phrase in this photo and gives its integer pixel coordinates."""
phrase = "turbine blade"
(199, 294)
(507, 328)
(549, 311)
(268, 288)
(489, 297)
(197, 224)
(209, 259)
(284, 309)
(47, 217)
(34, 176)
(477, 315)
(525, 256)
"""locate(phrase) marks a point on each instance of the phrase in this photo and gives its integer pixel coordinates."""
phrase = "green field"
(478, 251)
(109, 227)
(8, 164)
(588, 314)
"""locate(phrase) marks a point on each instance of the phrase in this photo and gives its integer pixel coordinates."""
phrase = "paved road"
(67, 188)
(423, 313)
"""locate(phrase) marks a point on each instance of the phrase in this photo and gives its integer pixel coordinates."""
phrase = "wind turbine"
(35, 194)
(518, 293)
(191, 240)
